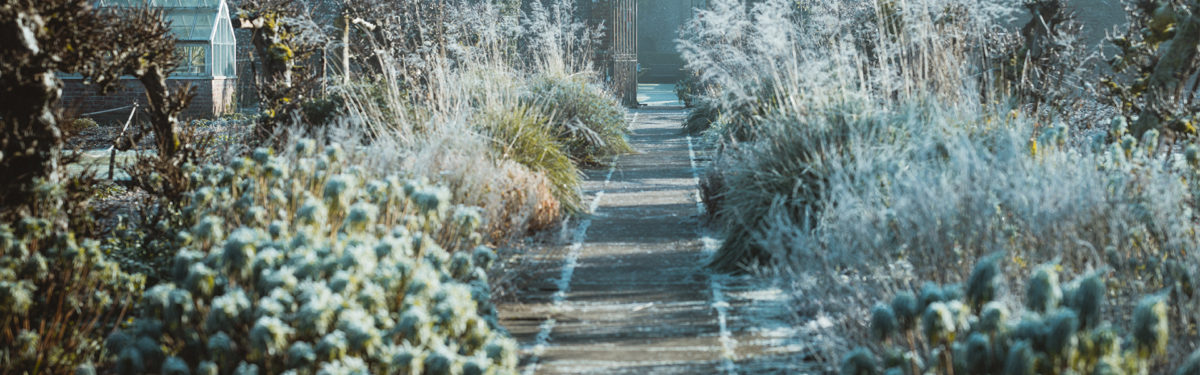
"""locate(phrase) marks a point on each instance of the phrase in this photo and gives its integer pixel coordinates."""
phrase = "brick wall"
(214, 97)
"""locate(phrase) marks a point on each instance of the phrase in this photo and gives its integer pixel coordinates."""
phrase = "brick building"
(207, 50)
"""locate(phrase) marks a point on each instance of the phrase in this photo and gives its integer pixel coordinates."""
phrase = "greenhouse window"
(193, 60)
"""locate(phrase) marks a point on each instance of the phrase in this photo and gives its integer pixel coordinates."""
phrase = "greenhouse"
(207, 50)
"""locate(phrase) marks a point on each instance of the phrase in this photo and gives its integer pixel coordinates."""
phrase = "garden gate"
(624, 50)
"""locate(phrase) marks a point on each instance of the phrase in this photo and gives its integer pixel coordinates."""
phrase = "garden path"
(628, 292)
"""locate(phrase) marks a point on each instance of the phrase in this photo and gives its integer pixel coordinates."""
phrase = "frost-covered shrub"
(526, 135)
(787, 173)
(932, 193)
(587, 120)
(978, 336)
(305, 264)
(58, 297)
(704, 113)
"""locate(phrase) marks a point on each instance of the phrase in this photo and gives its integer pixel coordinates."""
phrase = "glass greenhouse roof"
(190, 19)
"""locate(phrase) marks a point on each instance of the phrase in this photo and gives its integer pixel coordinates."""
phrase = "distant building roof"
(190, 19)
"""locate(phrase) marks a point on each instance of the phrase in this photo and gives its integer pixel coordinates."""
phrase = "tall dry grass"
(865, 160)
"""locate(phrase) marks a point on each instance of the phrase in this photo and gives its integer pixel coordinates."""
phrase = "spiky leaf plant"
(586, 119)
(526, 135)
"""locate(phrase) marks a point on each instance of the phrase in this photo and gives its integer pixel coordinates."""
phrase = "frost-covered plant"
(886, 158)
(963, 341)
(586, 119)
(528, 136)
(59, 296)
(341, 272)
(787, 174)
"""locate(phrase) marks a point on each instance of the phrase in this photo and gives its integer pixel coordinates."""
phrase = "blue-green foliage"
(336, 273)
(1047, 338)
(59, 296)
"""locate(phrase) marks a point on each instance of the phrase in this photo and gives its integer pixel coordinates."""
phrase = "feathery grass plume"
(130, 361)
(221, 347)
(985, 281)
(859, 362)
(1042, 292)
(1150, 332)
(361, 217)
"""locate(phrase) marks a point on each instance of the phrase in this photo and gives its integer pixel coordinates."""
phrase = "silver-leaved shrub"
(305, 265)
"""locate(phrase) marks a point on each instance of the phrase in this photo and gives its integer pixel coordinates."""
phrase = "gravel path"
(628, 292)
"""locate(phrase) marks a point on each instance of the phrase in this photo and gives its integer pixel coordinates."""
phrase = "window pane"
(191, 60)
